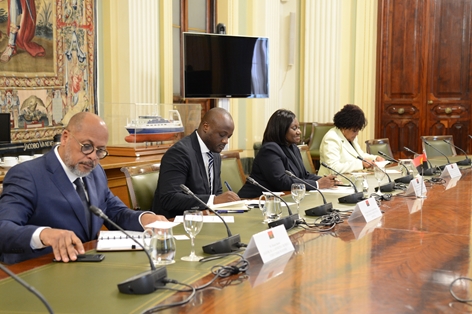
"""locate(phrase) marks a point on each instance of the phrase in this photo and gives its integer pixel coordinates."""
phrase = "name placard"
(416, 187)
(269, 244)
(368, 209)
(451, 171)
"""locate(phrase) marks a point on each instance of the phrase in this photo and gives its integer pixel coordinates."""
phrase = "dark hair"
(277, 127)
(350, 117)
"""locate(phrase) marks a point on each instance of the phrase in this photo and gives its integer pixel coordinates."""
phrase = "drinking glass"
(193, 223)
(379, 175)
(298, 193)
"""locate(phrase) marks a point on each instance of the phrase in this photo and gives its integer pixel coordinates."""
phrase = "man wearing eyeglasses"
(45, 201)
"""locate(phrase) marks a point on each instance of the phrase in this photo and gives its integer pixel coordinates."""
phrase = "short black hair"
(277, 127)
(350, 117)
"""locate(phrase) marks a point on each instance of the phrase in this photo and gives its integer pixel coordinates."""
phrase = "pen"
(227, 186)
(235, 211)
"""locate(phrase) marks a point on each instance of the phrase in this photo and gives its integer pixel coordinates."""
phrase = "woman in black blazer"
(278, 153)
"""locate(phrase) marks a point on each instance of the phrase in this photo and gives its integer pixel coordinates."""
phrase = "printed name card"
(270, 244)
(368, 209)
(452, 171)
(416, 187)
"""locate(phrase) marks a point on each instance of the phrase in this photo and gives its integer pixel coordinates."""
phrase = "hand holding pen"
(226, 197)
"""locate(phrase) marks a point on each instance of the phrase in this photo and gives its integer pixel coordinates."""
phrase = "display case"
(140, 129)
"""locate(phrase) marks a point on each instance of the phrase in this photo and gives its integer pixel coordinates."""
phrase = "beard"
(75, 167)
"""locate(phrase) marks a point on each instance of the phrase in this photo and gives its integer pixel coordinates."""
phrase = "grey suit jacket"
(183, 164)
(38, 193)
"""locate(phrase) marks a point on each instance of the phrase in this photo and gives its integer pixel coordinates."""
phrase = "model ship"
(154, 128)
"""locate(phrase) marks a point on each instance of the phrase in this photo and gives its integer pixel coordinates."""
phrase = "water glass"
(298, 193)
(160, 244)
(193, 223)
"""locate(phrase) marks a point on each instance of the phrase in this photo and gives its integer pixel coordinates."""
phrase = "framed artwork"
(47, 64)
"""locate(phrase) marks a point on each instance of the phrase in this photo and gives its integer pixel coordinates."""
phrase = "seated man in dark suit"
(195, 162)
(44, 203)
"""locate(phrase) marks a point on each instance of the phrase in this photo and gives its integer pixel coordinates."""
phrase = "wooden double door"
(423, 72)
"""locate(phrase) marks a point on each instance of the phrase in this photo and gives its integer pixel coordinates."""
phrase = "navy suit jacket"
(38, 193)
(183, 164)
(269, 168)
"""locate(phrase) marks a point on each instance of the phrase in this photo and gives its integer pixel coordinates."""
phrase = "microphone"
(289, 221)
(145, 282)
(405, 179)
(422, 168)
(388, 187)
(464, 162)
(318, 210)
(429, 144)
(27, 286)
(230, 244)
(349, 199)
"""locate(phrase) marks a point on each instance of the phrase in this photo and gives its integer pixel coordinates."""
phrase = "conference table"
(402, 262)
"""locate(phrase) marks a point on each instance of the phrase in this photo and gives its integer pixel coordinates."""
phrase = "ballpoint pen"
(227, 186)
(230, 211)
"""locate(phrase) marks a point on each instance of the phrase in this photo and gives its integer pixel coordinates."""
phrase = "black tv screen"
(225, 66)
(5, 128)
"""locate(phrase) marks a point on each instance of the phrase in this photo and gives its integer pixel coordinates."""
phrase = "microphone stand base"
(320, 210)
(289, 222)
(144, 283)
(228, 245)
(424, 171)
(405, 179)
(465, 162)
(386, 187)
(352, 198)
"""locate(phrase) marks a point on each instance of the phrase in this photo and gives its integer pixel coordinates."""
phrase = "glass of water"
(298, 193)
(193, 223)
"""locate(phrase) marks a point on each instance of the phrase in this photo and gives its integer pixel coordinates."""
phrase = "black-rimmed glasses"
(87, 149)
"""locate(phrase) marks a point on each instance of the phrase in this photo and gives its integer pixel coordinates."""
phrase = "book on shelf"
(117, 241)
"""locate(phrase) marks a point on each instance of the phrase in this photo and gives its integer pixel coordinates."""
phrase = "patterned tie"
(210, 170)
(81, 191)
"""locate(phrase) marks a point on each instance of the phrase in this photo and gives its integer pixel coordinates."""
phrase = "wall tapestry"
(47, 64)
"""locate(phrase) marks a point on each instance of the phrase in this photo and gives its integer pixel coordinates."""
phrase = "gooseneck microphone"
(404, 179)
(348, 199)
(423, 168)
(230, 244)
(464, 162)
(321, 210)
(145, 282)
(27, 286)
(290, 221)
(429, 144)
(388, 187)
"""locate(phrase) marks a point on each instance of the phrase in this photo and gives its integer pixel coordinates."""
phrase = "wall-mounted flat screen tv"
(225, 66)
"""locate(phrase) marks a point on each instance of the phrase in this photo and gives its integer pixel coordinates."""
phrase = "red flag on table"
(418, 160)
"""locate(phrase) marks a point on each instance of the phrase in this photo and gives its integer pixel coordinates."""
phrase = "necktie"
(81, 191)
(210, 170)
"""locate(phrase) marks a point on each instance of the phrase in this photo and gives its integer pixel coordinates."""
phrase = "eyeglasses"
(87, 149)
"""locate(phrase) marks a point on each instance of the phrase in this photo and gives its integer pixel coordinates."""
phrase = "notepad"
(118, 241)
(236, 205)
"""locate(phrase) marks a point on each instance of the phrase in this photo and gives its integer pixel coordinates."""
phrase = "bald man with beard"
(41, 210)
